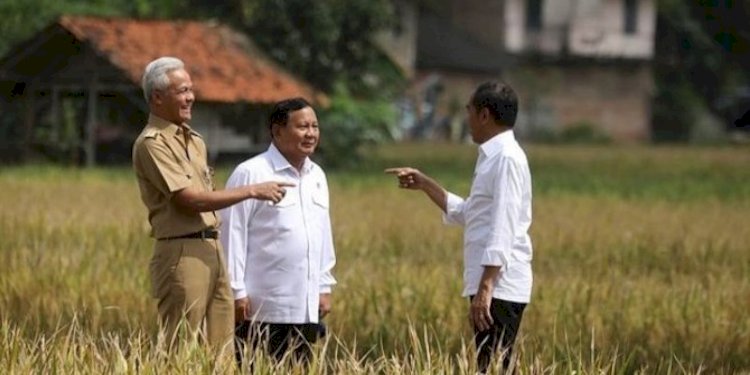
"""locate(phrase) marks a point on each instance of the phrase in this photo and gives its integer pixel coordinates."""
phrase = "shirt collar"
(167, 127)
(280, 163)
(494, 145)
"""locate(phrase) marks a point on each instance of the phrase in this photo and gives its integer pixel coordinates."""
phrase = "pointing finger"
(396, 171)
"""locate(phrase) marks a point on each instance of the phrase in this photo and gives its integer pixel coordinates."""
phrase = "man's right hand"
(241, 309)
(409, 178)
(273, 191)
(413, 179)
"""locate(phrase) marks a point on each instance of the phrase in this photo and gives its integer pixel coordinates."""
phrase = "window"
(631, 16)
(533, 15)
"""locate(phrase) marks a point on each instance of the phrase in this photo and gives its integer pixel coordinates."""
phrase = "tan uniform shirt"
(165, 164)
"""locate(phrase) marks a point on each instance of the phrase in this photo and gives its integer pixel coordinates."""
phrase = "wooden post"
(56, 131)
(28, 121)
(90, 135)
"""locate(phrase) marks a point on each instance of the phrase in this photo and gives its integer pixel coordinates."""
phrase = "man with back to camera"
(187, 270)
(496, 218)
(280, 255)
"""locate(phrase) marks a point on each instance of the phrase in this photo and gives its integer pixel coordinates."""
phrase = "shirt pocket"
(290, 199)
(321, 201)
(207, 176)
(320, 210)
(285, 214)
(181, 159)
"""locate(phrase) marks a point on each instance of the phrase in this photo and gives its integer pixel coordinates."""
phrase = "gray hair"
(155, 75)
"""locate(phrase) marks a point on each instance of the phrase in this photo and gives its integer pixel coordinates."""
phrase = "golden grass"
(641, 265)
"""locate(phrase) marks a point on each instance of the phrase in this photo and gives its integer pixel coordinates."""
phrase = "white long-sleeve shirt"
(280, 255)
(496, 218)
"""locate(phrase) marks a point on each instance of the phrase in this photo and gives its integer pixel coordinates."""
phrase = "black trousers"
(500, 337)
(277, 339)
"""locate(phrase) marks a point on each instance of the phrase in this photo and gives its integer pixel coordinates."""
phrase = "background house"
(76, 86)
(577, 65)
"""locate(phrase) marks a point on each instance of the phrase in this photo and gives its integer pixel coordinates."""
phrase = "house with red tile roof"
(77, 86)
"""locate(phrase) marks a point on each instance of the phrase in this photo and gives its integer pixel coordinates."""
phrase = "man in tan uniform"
(187, 270)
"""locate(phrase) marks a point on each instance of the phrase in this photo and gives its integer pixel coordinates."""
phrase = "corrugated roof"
(223, 64)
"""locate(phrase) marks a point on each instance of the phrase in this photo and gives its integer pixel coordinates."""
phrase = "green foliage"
(22, 18)
(583, 132)
(694, 64)
(323, 41)
(676, 107)
(349, 124)
(673, 174)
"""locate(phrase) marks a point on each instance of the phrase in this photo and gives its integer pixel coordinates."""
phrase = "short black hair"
(280, 113)
(499, 99)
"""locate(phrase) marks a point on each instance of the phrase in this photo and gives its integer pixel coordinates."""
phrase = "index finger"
(395, 170)
(286, 184)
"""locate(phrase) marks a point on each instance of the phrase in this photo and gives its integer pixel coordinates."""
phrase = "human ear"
(156, 97)
(484, 114)
(275, 130)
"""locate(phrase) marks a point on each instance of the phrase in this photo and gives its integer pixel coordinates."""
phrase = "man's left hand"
(479, 312)
(324, 307)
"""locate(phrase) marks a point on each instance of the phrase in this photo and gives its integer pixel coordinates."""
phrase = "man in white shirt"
(496, 218)
(280, 255)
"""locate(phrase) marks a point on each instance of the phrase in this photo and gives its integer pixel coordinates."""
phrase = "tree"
(702, 49)
(329, 43)
(323, 41)
(725, 21)
(21, 18)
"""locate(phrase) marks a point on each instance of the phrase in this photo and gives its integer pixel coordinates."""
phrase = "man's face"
(475, 123)
(176, 101)
(299, 137)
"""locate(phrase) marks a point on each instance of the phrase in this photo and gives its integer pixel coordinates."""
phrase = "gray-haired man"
(187, 270)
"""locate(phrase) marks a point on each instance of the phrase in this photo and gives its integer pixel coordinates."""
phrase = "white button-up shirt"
(280, 255)
(496, 218)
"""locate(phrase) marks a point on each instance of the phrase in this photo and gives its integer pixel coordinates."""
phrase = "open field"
(642, 265)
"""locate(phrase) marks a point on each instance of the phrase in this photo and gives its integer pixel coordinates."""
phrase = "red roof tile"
(223, 64)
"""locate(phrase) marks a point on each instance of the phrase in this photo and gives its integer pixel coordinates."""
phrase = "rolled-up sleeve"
(327, 255)
(505, 206)
(234, 236)
(454, 210)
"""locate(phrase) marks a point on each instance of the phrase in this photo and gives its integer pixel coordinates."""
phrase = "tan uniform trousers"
(189, 279)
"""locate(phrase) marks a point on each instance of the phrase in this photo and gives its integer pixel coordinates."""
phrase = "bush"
(349, 123)
(675, 108)
(583, 132)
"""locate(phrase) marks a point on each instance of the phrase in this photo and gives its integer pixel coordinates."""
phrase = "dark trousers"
(506, 318)
(277, 339)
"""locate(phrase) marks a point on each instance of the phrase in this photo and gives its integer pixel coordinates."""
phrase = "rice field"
(642, 265)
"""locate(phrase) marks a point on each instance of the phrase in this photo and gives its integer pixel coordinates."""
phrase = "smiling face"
(299, 137)
(175, 102)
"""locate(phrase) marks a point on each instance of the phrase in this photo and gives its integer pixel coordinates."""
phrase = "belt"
(209, 233)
